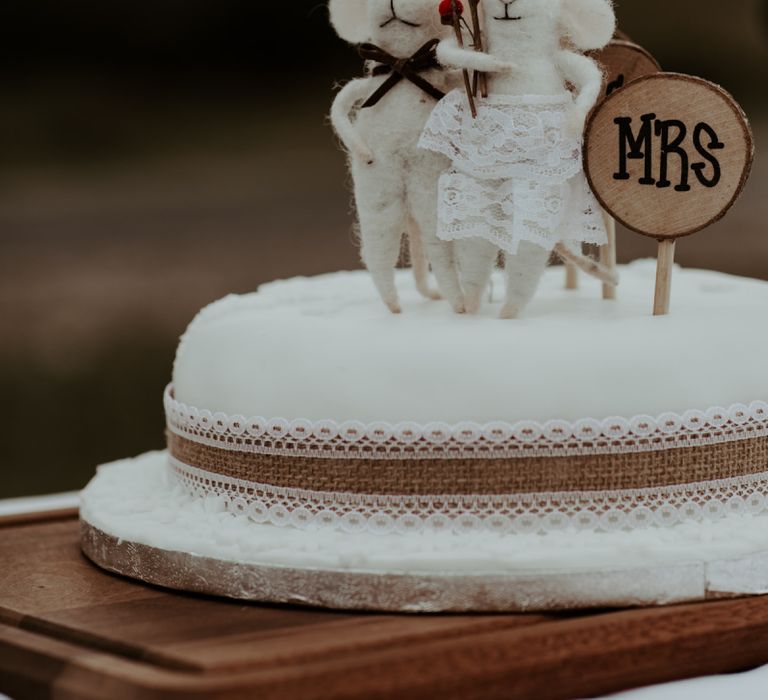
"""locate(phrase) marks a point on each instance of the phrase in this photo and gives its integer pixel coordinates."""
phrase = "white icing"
(134, 501)
(326, 349)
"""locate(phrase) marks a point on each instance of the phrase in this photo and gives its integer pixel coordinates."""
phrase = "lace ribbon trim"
(516, 173)
(507, 212)
(512, 137)
(497, 440)
(516, 513)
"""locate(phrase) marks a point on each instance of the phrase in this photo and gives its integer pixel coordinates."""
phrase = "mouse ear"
(350, 19)
(588, 24)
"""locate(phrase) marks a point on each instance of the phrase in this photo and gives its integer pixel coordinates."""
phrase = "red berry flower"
(446, 8)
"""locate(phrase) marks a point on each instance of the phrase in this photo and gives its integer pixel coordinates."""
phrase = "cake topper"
(516, 182)
(622, 61)
(667, 155)
(379, 119)
(451, 14)
(499, 168)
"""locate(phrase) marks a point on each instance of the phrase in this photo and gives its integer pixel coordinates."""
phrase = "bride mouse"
(516, 182)
(379, 119)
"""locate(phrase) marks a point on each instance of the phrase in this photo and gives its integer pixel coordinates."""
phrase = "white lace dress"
(516, 176)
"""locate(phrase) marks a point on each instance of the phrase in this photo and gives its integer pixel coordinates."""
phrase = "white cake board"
(134, 523)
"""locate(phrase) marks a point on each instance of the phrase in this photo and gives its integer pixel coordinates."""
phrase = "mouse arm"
(585, 75)
(353, 92)
(449, 54)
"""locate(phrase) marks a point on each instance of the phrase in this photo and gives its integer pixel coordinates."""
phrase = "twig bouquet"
(452, 13)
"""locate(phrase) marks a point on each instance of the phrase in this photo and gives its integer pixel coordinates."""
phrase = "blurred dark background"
(155, 156)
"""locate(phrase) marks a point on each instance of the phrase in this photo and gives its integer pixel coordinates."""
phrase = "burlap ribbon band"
(599, 472)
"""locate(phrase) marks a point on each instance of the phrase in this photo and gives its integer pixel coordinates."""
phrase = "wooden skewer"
(586, 264)
(571, 276)
(665, 262)
(477, 34)
(608, 254)
(460, 42)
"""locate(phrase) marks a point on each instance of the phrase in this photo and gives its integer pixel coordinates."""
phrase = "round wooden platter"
(69, 630)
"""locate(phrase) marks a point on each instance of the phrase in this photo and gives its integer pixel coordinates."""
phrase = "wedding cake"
(321, 451)
(505, 441)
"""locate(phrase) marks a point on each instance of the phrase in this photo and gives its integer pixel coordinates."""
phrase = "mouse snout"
(416, 10)
(408, 13)
(507, 10)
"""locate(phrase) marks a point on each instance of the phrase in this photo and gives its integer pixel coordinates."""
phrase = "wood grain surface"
(668, 154)
(622, 62)
(68, 630)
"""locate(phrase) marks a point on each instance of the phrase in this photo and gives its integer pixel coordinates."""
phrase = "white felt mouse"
(379, 119)
(516, 182)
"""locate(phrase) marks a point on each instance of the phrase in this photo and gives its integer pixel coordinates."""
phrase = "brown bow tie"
(399, 68)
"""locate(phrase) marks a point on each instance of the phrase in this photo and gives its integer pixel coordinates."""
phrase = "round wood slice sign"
(622, 62)
(668, 154)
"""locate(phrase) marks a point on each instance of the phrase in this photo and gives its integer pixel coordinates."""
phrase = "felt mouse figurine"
(516, 182)
(379, 119)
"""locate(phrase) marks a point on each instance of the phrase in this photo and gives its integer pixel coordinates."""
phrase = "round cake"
(325, 452)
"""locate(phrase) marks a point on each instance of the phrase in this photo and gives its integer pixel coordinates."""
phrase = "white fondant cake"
(325, 348)
(324, 451)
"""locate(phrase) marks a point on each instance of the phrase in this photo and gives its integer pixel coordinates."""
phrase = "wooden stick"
(477, 34)
(587, 265)
(460, 42)
(664, 264)
(608, 254)
(571, 276)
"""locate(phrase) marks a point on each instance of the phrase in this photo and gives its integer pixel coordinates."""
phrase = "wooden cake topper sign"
(667, 155)
(622, 62)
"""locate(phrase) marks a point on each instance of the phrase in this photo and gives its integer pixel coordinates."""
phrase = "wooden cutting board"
(68, 630)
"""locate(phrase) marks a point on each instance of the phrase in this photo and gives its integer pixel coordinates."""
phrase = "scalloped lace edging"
(495, 440)
(502, 514)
